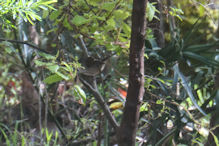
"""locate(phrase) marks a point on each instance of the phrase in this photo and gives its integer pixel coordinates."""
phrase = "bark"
(128, 128)
(158, 25)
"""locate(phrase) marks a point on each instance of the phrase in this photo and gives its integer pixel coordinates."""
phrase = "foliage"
(74, 35)
(11, 9)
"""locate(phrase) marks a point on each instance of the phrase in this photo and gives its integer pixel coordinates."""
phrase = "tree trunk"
(127, 130)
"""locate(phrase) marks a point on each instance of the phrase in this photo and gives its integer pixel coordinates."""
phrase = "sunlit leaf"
(159, 102)
(111, 23)
(121, 15)
(80, 92)
(39, 63)
(151, 10)
(52, 79)
(53, 68)
(47, 56)
(144, 107)
(116, 105)
(62, 75)
(215, 138)
(108, 5)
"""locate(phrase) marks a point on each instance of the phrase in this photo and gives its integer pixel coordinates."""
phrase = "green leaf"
(66, 24)
(94, 2)
(34, 16)
(144, 107)
(28, 18)
(176, 12)
(80, 93)
(49, 2)
(45, 14)
(200, 58)
(215, 138)
(99, 18)
(79, 20)
(108, 6)
(146, 56)
(39, 63)
(121, 15)
(68, 67)
(126, 28)
(54, 15)
(8, 50)
(111, 23)
(52, 79)
(150, 11)
(48, 136)
(202, 10)
(62, 75)
(201, 47)
(53, 68)
(47, 56)
(159, 102)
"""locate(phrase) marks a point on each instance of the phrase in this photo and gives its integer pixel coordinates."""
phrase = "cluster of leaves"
(180, 75)
(182, 80)
(27, 10)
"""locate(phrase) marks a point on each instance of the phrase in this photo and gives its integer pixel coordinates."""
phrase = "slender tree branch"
(91, 7)
(24, 42)
(110, 14)
(84, 47)
(102, 103)
(165, 137)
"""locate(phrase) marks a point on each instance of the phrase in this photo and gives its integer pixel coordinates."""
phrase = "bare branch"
(102, 103)
(24, 42)
(84, 47)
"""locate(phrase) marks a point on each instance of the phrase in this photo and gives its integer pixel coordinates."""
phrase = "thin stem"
(23, 42)
(102, 103)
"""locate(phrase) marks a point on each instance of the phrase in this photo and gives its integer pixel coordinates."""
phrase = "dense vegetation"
(64, 69)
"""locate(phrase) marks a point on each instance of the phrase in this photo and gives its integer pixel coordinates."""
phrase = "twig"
(91, 7)
(24, 42)
(110, 14)
(84, 47)
(102, 104)
(178, 105)
(165, 137)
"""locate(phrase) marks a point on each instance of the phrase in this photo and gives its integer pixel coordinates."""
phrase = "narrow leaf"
(80, 92)
(52, 79)
(187, 88)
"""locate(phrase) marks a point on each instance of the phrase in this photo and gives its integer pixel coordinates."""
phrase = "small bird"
(93, 67)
